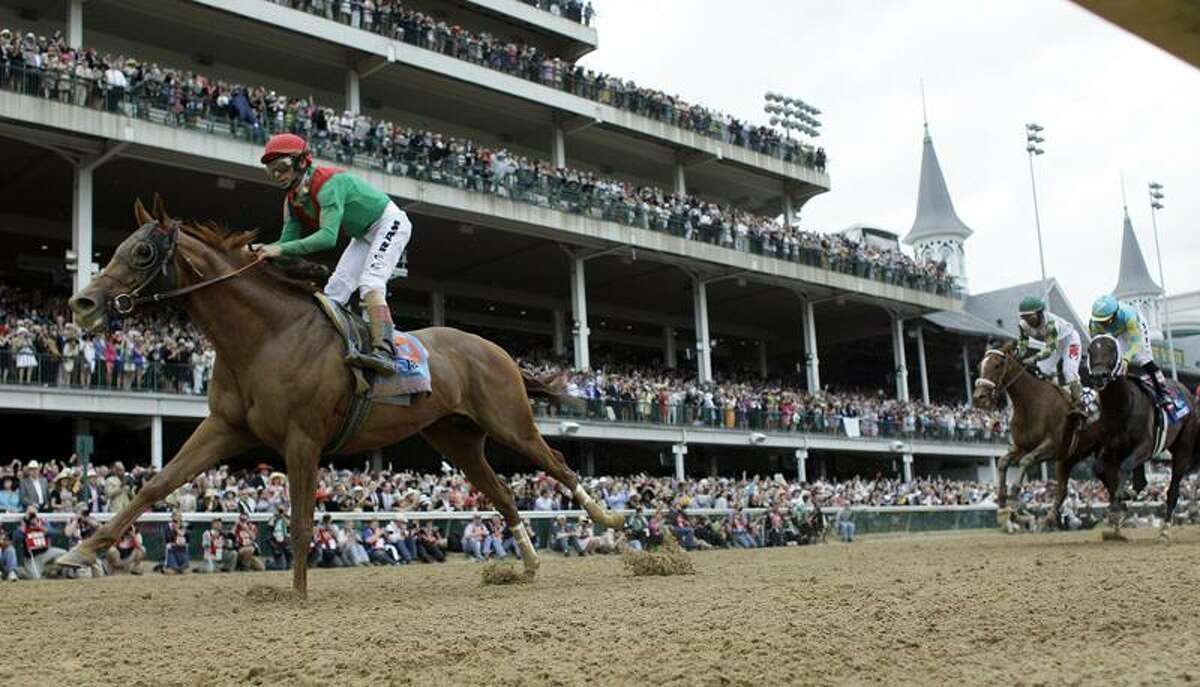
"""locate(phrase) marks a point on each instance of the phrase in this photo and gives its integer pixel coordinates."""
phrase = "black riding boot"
(382, 357)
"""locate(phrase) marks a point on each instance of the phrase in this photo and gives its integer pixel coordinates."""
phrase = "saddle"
(1174, 405)
(411, 376)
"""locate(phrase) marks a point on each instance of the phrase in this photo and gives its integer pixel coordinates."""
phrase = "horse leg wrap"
(528, 553)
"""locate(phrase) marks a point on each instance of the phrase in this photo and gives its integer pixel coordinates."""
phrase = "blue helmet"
(1104, 308)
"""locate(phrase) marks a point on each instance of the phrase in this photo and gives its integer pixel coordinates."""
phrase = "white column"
(680, 450)
(560, 323)
(670, 357)
(967, 374)
(579, 312)
(907, 459)
(680, 179)
(1045, 471)
(898, 357)
(703, 340)
(995, 471)
(353, 94)
(812, 359)
(75, 23)
(377, 460)
(437, 309)
(789, 212)
(81, 226)
(801, 465)
(921, 364)
(762, 358)
(156, 442)
(713, 470)
(558, 145)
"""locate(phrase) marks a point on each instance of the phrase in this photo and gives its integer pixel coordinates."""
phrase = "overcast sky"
(1109, 102)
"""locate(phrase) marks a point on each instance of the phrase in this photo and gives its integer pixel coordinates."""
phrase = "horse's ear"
(140, 215)
(160, 209)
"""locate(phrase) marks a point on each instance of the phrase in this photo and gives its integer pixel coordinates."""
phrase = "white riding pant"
(1069, 351)
(368, 262)
(1147, 353)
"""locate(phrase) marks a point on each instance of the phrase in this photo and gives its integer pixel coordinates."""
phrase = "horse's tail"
(551, 390)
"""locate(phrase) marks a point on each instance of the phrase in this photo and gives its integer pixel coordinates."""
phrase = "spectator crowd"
(159, 351)
(784, 512)
(47, 67)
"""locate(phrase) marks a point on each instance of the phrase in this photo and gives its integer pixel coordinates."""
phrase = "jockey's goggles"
(278, 168)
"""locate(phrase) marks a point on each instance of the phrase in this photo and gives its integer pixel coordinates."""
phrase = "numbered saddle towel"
(412, 374)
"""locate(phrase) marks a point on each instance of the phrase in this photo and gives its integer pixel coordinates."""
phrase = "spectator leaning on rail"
(327, 201)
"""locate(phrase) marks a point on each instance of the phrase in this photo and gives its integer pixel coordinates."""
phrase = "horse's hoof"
(76, 559)
(1108, 535)
(1003, 515)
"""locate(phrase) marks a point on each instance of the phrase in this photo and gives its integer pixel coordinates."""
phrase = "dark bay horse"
(1127, 416)
(1042, 428)
(280, 380)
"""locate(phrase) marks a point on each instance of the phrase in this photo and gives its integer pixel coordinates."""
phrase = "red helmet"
(283, 144)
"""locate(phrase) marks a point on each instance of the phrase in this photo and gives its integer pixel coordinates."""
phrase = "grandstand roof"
(999, 307)
(1134, 279)
(966, 323)
(935, 211)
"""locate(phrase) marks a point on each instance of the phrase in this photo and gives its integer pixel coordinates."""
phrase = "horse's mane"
(294, 273)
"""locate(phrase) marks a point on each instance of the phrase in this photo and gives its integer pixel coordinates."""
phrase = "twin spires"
(935, 212)
(1134, 279)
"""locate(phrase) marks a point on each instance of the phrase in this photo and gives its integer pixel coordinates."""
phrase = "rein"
(152, 256)
(124, 303)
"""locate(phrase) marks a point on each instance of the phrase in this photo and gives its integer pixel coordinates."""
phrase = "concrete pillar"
(680, 179)
(670, 355)
(812, 359)
(437, 309)
(156, 442)
(789, 212)
(801, 465)
(713, 467)
(907, 459)
(81, 226)
(762, 358)
(680, 450)
(1045, 471)
(75, 23)
(898, 357)
(703, 339)
(353, 94)
(558, 145)
(995, 471)
(966, 373)
(377, 460)
(579, 312)
(921, 364)
(560, 324)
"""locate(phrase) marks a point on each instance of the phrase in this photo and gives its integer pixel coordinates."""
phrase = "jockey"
(324, 202)
(1059, 342)
(1129, 328)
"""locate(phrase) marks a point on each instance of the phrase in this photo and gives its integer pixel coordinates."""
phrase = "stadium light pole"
(792, 114)
(1033, 141)
(1156, 198)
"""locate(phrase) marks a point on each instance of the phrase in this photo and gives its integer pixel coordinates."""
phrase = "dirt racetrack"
(977, 609)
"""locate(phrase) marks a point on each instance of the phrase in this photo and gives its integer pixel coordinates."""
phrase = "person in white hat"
(34, 489)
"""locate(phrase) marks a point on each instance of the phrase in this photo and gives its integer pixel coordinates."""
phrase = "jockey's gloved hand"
(266, 250)
(1122, 368)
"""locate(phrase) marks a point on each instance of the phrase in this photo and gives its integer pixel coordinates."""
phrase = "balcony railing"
(166, 104)
(144, 375)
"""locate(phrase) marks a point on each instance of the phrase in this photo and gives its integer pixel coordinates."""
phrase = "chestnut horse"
(1042, 428)
(280, 380)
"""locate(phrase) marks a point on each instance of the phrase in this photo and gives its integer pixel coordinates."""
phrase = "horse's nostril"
(82, 304)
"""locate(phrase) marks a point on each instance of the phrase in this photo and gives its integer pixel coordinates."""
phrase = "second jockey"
(321, 204)
(1059, 345)
(1129, 328)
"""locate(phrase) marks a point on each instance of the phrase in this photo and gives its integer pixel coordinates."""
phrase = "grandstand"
(579, 250)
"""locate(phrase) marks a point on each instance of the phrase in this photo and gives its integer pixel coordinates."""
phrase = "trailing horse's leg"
(1003, 512)
(462, 441)
(301, 454)
(1116, 500)
(1182, 457)
(213, 441)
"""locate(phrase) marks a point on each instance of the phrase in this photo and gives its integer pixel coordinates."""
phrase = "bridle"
(151, 259)
(1001, 387)
(1109, 375)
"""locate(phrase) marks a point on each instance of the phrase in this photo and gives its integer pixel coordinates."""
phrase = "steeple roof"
(1134, 279)
(935, 212)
